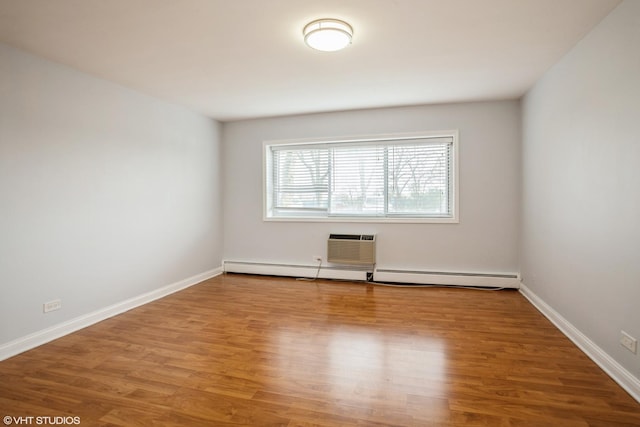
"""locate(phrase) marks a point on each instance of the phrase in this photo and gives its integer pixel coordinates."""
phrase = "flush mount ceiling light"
(327, 35)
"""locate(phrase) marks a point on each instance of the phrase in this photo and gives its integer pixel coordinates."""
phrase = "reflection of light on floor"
(361, 367)
(354, 354)
(370, 364)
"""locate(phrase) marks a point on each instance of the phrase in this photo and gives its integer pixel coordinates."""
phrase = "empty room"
(320, 212)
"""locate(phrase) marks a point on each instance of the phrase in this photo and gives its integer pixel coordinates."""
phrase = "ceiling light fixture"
(327, 35)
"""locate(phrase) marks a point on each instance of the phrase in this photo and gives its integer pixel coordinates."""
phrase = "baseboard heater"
(359, 273)
(447, 278)
(352, 272)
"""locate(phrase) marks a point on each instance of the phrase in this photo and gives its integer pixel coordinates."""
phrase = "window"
(388, 178)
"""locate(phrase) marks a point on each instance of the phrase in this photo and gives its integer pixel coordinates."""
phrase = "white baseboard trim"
(617, 372)
(293, 270)
(38, 338)
(451, 279)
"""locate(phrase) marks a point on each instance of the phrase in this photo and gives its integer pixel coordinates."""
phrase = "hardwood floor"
(247, 350)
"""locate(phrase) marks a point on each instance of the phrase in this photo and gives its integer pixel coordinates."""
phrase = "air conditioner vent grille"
(359, 249)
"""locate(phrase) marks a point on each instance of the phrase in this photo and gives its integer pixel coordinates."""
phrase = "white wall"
(581, 185)
(105, 194)
(484, 241)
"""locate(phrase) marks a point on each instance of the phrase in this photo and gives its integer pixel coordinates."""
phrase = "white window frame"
(454, 181)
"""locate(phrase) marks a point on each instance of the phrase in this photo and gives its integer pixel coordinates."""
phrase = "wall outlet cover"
(52, 306)
(629, 342)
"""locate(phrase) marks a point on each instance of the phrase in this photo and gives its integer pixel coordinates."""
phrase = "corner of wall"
(617, 372)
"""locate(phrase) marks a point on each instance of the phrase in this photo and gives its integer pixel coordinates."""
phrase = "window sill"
(364, 220)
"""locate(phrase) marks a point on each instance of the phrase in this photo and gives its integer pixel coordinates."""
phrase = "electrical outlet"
(628, 342)
(52, 305)
(317, 258)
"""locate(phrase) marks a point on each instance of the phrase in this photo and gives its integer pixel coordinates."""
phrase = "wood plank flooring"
(263, 351)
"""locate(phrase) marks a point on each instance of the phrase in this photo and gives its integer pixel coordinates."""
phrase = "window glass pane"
(418, 179)
(384, 178)
(301, 179)
(357, 180)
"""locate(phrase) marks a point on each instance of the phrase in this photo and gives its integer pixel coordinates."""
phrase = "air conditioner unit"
(359, 249)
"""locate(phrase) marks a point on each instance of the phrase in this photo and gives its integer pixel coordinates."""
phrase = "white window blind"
(300, 180)
(390, 178)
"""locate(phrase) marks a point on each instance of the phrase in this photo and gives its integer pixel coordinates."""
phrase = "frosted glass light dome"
(327, 35)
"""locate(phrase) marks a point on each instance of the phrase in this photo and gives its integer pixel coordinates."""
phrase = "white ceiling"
(235, 59)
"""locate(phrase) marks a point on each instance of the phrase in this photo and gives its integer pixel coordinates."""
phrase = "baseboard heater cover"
(448, 278)
(359, 273)
(297, 270)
